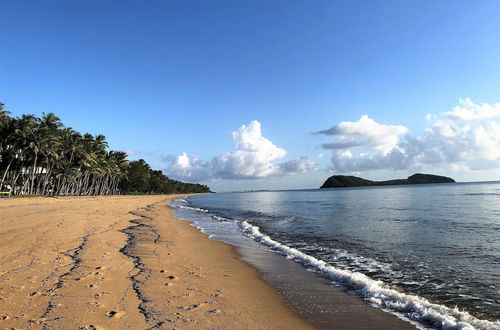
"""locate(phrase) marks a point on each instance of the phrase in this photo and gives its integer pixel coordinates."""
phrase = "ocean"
(428, 253)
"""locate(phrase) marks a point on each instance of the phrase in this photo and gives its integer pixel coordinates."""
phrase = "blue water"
(428, 252)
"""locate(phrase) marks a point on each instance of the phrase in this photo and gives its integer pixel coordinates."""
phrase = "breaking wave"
(411, 307)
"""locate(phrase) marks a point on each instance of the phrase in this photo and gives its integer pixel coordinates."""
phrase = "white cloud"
(253, 157)
(364, 132)
(467, 110)
(300, 165)
(467, 137)
(470, 132)
(185, 166)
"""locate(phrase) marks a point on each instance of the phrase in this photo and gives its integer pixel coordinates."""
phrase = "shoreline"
(127, 262)
(309, 295)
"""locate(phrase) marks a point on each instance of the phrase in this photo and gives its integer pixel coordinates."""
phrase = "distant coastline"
(345, 181)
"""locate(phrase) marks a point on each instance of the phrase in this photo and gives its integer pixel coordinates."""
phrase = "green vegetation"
(342, 181)
(141, 179)
(40, 156)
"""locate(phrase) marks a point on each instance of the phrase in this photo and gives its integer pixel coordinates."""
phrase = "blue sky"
(164, 78)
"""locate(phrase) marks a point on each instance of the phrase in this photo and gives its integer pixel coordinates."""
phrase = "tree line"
(41, 156)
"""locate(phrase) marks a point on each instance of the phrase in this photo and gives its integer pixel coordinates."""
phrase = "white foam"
(197, 209)
(410, 307)
(192, 208)
(219, 218)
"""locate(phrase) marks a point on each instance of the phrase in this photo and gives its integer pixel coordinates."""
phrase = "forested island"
(343, 181)
(41, 156)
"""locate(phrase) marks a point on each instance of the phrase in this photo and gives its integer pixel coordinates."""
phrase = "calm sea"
(430, 253)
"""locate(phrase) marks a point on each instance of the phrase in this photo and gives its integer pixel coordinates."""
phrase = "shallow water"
(428, 252)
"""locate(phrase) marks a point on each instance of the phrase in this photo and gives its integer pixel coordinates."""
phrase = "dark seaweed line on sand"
(135, 233)
(74, 254)
(76, 261)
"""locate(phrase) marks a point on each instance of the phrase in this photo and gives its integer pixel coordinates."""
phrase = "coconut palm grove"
(41, 156)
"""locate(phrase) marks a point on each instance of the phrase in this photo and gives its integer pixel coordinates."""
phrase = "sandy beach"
(124, 262)
(88, 263)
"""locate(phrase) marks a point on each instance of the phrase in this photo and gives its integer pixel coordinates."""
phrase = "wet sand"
(124, 262)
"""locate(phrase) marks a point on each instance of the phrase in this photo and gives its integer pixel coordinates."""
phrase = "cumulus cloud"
(468, 136)
(185, 166)
(253, 157)
(467, 110)
(364, 132)
(470, 132)
(300, 165)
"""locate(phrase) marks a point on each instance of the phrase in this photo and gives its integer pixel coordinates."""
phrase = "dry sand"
(124, 262)
(86, 262)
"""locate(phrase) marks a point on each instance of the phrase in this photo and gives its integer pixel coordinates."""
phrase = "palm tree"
(5, 132)
(42, 156)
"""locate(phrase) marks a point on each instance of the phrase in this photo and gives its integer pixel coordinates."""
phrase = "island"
(343, 181)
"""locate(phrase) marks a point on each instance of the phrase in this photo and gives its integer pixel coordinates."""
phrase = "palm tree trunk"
(6, 171)
(33, 173)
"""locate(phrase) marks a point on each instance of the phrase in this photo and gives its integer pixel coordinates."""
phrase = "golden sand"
(124, 262)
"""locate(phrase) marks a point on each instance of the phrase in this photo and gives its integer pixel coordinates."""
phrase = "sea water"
(429, 253)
